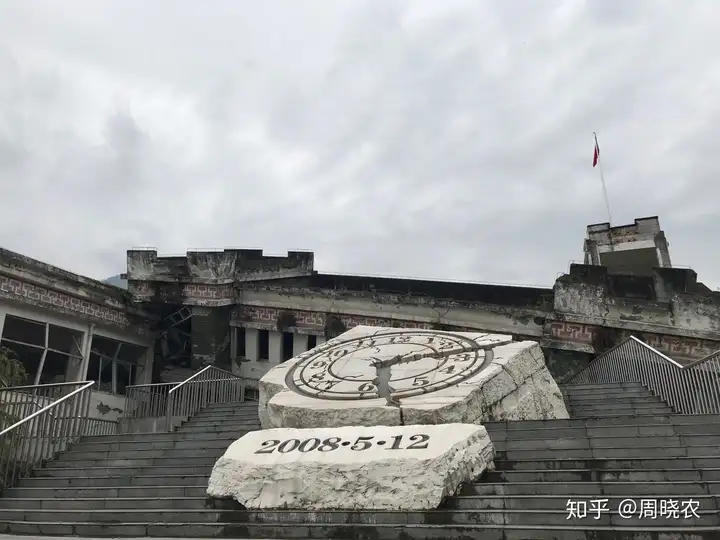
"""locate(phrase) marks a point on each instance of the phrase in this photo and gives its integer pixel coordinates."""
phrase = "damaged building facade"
(66, 328)
(244, 311)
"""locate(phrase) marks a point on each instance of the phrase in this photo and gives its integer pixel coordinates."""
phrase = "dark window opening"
(54, 369)
(24, 330)
(240, 340)
(130, 353)
(65, 340)
(312, 342)
(124, 377)
(287, 346)
(104, 346)
(106, 375)
(263, 345)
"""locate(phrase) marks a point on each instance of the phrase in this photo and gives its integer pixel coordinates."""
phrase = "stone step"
(168, 444)
(232, 407)
(220, 427)
(165, 515)
(210, 413)
(295, 519)
(115, 503)
(105, 492)
(134, 455)
(197, 460)
(613, 405)
(630, 430)
(591, 401)
(105, 472)
(594, 412)
(559, 502)
(602, 386)
(642, 463)
(465, 502)
(566, 443)
(161, 436)
(616, 488)
(118, 481)
(611, 453)
(603, 475)
(611, 392)
(585, 531)
(644, 419)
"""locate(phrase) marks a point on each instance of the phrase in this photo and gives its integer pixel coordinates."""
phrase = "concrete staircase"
(622, 443)
(146, 484)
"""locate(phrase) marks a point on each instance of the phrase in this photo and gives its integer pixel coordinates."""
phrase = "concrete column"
(2, 320)
(144, 368)
(275, 349)
(300, 344)
(251, 344)
(74, 368)
(86, 347)
(233, 345)
(320, 340)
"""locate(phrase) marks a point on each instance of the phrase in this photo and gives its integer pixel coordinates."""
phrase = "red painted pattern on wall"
(38, 296)
(316, 320)
(674, 346)
(576, 333)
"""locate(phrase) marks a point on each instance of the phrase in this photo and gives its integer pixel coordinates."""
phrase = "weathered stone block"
(369, 468)
(438, 377)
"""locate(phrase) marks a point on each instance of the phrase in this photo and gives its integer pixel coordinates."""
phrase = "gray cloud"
(415, 138)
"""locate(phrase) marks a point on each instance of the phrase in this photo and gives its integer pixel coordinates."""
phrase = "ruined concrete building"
(245, 312)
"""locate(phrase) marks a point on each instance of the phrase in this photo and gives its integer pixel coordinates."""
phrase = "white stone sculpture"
(372, 376)
(369, 468)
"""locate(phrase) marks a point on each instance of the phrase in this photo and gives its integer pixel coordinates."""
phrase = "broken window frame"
(114, 363)
(46, 346)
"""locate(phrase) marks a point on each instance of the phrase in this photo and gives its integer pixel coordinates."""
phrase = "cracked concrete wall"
(660, 305)
(106, 406)
(216, 267)
(500, 319)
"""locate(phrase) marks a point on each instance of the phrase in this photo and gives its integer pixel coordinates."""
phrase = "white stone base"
(369, 468)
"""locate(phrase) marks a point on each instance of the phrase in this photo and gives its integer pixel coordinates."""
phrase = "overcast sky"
(440, 139)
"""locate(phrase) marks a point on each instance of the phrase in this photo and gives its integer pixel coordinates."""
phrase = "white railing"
(176, 401)
(38, 421)
(146, 400)
(209, 385)
(690, 389)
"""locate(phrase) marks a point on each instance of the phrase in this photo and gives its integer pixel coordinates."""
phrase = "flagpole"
(602, 179)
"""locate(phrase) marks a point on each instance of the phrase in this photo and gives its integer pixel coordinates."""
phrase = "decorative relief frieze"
(35, 295)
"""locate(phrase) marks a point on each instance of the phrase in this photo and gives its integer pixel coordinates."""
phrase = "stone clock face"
(344, 370)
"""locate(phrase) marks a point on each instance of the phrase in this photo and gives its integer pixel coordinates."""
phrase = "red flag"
(596, 154)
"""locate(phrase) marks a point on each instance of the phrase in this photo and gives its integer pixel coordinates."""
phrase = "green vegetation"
(12, 373)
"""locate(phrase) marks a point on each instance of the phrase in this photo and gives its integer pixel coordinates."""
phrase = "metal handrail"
(37, 437)
(199, 373)
(209, 385)
(146, 400)
(690, 389)
(53, 405)
(175, 402)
